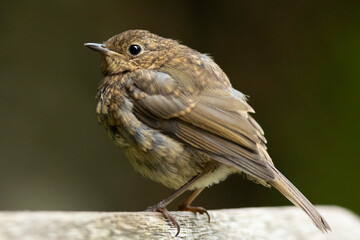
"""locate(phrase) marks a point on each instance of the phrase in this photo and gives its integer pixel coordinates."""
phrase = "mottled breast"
(152, 153)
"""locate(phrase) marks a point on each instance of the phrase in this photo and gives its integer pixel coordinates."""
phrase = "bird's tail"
(283, 185)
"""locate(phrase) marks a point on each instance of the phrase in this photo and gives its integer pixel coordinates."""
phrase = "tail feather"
(283, 185)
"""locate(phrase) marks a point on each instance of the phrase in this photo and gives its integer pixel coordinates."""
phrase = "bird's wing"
(214, 121)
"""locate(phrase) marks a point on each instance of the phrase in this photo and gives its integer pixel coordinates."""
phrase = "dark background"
(299, 62)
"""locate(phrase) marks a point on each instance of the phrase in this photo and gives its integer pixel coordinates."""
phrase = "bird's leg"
(185, 205)
(161, 206)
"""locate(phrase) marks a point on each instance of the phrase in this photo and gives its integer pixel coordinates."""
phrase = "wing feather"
(214, 121)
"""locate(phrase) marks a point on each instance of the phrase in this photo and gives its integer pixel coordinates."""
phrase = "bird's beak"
(98, 48)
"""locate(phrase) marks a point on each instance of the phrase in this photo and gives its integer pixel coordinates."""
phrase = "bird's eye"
(134, 49)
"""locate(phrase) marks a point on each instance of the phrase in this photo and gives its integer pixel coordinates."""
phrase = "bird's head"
(133, 50)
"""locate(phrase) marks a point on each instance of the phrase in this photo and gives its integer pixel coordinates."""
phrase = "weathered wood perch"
(246, 223)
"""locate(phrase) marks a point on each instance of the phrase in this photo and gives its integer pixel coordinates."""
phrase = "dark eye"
(134, 49)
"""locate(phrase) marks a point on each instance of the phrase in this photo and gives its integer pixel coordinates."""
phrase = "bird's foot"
(166, 214)
(200, 210)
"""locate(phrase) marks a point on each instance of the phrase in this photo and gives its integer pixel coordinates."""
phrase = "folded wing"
(214, 121)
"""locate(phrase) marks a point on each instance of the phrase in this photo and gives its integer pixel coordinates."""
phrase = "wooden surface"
(246, 223)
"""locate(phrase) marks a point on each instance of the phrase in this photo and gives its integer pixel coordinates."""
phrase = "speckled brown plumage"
(175, 114)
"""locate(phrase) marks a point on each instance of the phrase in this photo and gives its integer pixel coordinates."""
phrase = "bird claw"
(166, 214)
(200, 210)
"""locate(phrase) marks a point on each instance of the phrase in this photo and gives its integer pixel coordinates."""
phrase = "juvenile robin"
(174, 113)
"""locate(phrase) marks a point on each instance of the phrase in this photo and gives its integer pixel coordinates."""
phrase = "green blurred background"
(299, 62)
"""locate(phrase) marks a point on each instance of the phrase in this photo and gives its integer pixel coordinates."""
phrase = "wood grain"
(246, 223)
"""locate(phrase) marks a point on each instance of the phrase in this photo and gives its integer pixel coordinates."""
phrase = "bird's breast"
(152, 153)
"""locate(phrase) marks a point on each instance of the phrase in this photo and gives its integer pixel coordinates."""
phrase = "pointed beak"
(98, 47)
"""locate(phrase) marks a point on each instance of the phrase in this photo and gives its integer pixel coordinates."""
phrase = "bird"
(174, 113)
